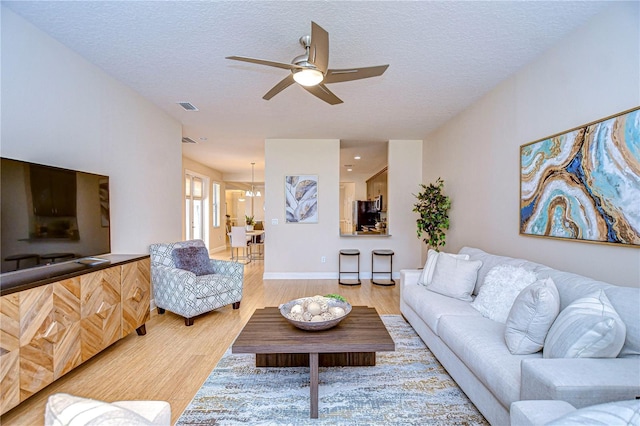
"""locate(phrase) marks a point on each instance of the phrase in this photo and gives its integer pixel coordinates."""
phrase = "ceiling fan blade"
(323, 93)
(319, 48)
(286, 82)
(263, 62)
(338, 76)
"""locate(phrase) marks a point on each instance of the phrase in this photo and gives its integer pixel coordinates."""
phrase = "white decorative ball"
(317, 318)
(314, 308)
(337, 311)
(297, 310)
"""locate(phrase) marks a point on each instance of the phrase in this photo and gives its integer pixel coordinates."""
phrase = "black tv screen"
(51, 215)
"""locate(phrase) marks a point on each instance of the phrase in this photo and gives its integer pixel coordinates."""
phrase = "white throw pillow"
(430, 265)
(587, 328)
(531, 316)
(64, 409)
(611, 413)
(455, 277)
(501, 286)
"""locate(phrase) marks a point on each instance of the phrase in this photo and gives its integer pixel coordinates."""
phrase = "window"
(216, 204)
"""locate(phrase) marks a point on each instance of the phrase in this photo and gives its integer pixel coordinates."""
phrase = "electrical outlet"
(323, 259)
(274, 221)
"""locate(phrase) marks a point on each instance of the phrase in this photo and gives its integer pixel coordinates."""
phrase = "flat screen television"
(51, 215)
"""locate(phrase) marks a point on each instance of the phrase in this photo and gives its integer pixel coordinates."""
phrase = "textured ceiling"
(443, 56)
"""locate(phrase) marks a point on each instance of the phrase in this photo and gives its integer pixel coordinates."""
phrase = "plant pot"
(249, 227)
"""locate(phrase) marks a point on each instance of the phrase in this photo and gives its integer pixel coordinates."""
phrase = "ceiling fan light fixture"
(308, 77)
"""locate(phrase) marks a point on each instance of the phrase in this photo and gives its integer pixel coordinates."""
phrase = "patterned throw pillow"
(587, 328)
(194, 259)
(531, 316)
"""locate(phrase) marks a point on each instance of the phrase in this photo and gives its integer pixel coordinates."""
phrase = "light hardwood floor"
(172, 361)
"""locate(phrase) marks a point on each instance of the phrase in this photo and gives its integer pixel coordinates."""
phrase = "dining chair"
(240, 239)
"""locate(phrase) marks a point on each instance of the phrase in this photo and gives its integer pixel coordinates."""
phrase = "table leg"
(313, 364)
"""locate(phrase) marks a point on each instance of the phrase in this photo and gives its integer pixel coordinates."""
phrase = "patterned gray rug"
(408, 387)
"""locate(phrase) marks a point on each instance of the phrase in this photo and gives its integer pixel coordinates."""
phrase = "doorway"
(196, 211)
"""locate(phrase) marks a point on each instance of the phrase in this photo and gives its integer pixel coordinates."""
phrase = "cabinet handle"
(103, 310)
(137, 295)
(53, 332)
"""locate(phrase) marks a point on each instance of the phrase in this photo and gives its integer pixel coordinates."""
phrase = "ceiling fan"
(311, 71)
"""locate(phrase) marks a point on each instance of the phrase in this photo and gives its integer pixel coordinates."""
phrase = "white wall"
(60, 110)
(592, 74)
(295, 250)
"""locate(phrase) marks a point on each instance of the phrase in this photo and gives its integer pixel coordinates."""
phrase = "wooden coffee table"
(277, 343)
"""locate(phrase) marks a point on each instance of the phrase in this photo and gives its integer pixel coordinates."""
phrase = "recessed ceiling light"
(357, 157)
(349, 170)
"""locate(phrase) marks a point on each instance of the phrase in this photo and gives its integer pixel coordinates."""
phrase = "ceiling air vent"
(187, 140)
(188, 106)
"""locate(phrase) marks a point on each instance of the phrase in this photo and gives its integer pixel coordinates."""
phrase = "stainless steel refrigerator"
(365, 215)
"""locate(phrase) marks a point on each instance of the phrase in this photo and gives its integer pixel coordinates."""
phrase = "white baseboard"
(315, 275)
(218, 249)
(300, 276)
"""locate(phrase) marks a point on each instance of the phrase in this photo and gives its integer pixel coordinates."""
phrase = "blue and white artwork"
(301, 199)
(584, 184)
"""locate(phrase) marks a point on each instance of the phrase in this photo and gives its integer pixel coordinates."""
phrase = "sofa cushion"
(193, 259)
(580, 381)
(432, 306)
(535, 413)
(588, 328)
(64, 409)
(479, 343)
(430, 265)
(532, 314)
(611, 413)
(625, 300)
(501, 286)
(455, 277)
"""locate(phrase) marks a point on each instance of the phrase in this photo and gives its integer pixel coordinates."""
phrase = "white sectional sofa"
(473, 350)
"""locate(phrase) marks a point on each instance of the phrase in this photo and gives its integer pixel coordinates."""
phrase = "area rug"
(405, 387)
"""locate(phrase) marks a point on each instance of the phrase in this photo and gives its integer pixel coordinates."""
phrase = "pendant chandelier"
(252, 192)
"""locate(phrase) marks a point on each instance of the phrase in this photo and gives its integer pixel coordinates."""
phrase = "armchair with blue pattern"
(188, 295)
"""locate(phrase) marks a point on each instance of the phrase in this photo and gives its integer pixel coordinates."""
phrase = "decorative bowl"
(285, 310)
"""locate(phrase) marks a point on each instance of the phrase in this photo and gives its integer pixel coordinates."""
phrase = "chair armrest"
(580, 381)
(178, 280)
(227, 267)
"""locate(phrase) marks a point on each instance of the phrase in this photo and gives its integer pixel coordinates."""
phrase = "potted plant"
(433, 207)
(249, 222)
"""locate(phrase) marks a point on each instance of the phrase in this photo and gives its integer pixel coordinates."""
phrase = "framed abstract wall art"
(301, 198)
(584, 184)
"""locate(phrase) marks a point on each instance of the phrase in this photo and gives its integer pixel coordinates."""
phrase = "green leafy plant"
(433, 207)
(336, 296)
(249, 220)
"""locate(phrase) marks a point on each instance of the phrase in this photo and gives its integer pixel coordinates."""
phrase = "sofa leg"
(236, 305)
(161, 311)
(188, 321)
